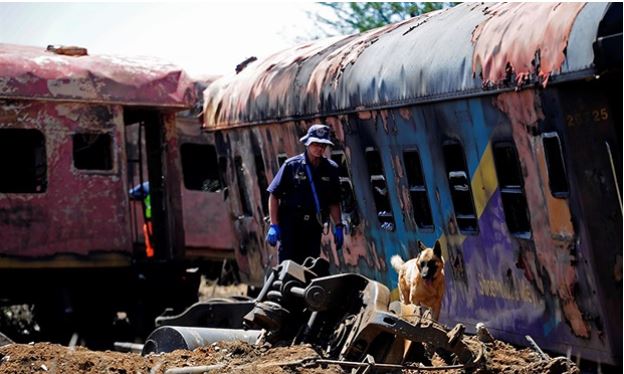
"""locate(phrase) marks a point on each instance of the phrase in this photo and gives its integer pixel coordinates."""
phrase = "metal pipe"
(543, 355)
(389, 366)
(128, 347)
(169, 338)
(297, 291)
(207, 368)
(194, 369)
(267, 286)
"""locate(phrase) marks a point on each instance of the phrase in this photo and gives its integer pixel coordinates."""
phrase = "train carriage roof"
(470, 49)
(34, 73)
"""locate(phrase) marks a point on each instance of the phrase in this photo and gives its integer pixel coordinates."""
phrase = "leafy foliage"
(350, 17)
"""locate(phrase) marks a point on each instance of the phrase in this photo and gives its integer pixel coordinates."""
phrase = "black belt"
(299, 214)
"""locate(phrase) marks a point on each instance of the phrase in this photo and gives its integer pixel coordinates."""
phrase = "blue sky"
(204, 38)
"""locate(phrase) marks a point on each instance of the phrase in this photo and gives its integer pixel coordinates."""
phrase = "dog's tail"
(397, 262)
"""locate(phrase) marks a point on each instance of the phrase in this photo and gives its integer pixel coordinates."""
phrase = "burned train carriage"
(76, 133)
(495, 129)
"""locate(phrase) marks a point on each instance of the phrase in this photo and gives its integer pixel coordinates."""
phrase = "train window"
(262, 183)
(380, 189)
(418, 190)
(347, 197)
(281, 158)
(459, 183)
(23, 163)
(511, 184)
(200, 167)
(242, 186)
(557, 178)
(93, 151)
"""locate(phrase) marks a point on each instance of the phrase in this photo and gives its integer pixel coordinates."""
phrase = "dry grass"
(209, 288)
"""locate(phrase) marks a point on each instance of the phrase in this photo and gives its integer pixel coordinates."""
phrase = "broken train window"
(511, 185)
(347, 196)
(23, 163)
(281, 158)
(557, 178)
(243, 194)
(421, 209)
(459, 184)
(93, 151)
(379, 188)
(200, 167)
(262, 182)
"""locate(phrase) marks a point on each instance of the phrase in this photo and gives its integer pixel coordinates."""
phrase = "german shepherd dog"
(421, 279)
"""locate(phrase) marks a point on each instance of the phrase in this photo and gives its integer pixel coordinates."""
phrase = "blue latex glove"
(273, 235)
(338, 236)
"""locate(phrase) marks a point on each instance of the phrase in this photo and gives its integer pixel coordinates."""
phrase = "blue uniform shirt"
(292, 187)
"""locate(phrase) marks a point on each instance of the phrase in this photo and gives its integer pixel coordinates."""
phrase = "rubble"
(363, 335)
(237, 357)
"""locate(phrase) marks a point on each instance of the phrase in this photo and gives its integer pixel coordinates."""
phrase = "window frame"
(243, 190)
(415, 189)
(554, 175)
(281, 159)
(215, 163)
(345, 179)
(263, 182)
(113, 154)
(460, 216)
(386, 221)
(39, 179)
(511, 189)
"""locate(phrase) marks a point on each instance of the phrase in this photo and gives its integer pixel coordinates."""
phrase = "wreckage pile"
(305, 321)
(238, 357)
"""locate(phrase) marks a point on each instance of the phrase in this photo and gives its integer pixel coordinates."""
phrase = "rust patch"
(520, 39)
(31, 72)
(559, 215)
(383, 114)
(76, 214)
(260, 80)
(527, 261)
(553, 252)
(335, 124)
(402, 189)
(365, 115)
(398, 168)
(330, 69)
(405, 113)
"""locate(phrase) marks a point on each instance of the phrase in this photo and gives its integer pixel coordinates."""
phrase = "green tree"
(348, 18)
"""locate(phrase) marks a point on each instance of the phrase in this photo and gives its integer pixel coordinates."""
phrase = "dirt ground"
(239, 357)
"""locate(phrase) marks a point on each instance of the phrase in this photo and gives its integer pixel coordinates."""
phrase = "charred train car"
(494, 128)
(76, 133)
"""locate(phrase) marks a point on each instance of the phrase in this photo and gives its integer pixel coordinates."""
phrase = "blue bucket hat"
(317, 133)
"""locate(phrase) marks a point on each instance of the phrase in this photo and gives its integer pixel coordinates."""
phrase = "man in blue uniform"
(305, 191)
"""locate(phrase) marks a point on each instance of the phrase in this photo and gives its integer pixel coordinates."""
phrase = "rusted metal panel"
(172, 173)
(82, 211)
(32, 73)
(517, 41)
(208, 229)
(403, 63)
(366, 86)
(553, 248)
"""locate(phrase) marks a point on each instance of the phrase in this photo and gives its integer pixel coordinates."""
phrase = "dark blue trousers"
(300, 238)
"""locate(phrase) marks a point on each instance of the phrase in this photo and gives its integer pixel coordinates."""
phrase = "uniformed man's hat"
(318, 133)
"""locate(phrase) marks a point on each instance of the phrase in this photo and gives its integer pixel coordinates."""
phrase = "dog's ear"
(421, 246)
(437, 249)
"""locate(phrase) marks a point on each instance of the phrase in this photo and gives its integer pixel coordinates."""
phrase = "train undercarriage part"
(346, 316)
